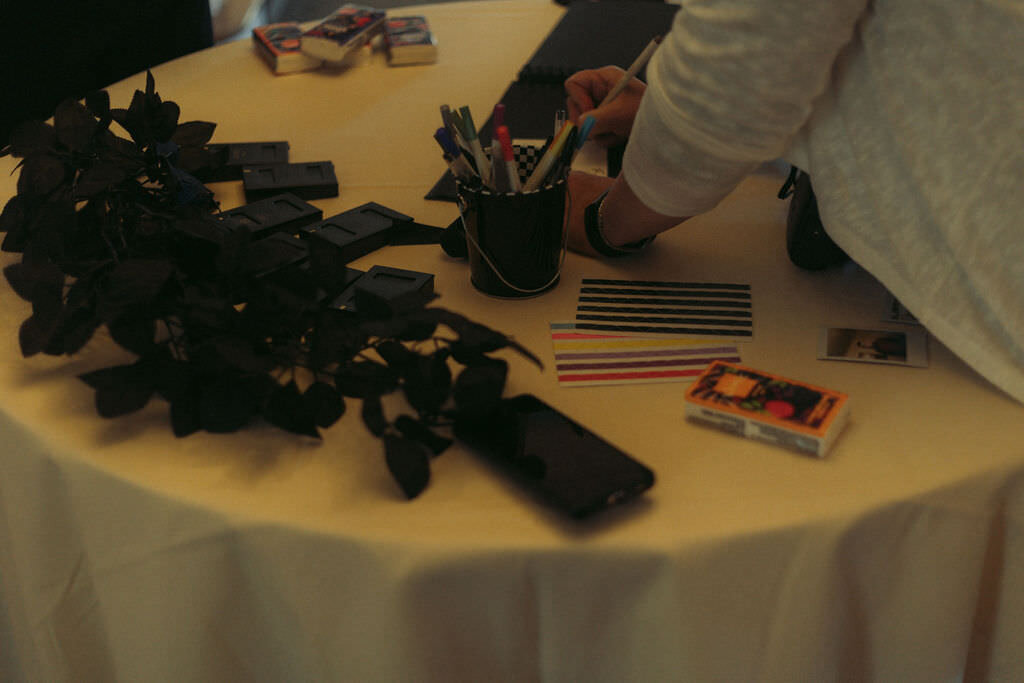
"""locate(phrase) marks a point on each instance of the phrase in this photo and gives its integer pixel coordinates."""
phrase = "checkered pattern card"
(587, 359)
(704, 310)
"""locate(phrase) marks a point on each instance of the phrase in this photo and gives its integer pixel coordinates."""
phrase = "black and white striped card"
(681, 309)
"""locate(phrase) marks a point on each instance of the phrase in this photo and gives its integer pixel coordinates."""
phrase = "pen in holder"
(515, 240)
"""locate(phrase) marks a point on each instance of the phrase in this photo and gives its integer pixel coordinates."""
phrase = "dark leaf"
(134, 282)
(418, 330)
(396, 355)
(26, 278)
(31, 137)
(428, 382)
(99, 178)
(185, 416)
(287, 410)
(412, 428)
(239, 352)
(78, 330)
(133, 332)
(41, 174)
(122, 152)
(33, 336)
(50, 227)
(118, 402)
(365, 378)
(74, 124)
(193, 133)
(385, 327)
(16, 240)
(225, 405)
(453, 241)
(150, 84)
(478, 388)
(324, 403)
(15, 214)
(120, 389)
(47, 306)
(166, 121)
(98, 102)
(373, 415)
(335, 340)
(409, 463)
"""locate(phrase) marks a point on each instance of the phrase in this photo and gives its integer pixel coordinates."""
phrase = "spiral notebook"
(589, 35)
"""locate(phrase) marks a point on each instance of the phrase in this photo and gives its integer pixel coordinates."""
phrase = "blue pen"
(585, 127)
(453, 155)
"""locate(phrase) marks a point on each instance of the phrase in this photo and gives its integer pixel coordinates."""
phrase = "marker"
(585, 127)
(548, 160)
(508, 154)
(500, 179)
(453, 123)
(469, 132)
(560, 118)
(498, 117)
(564, 158)
(632, 71)
(460, 168)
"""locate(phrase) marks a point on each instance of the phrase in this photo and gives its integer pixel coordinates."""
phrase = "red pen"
(498, 117)
(508, 154)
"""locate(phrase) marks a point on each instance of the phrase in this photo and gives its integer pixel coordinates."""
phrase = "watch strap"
(593, 224)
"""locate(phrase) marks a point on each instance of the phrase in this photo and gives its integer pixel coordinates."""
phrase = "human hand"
(612, 122)
(584, 188)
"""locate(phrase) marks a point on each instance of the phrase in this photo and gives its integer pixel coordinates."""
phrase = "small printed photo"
(890, 347)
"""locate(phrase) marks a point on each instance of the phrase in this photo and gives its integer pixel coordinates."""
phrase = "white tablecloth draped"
(129, 555)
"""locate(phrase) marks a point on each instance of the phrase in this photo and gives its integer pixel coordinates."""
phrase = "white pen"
(632, 71)
(498, 169)
(508, 154)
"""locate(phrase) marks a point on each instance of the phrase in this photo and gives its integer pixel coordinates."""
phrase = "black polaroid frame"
(568, 466)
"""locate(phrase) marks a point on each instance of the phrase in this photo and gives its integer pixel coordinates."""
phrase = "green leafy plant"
(118, 233)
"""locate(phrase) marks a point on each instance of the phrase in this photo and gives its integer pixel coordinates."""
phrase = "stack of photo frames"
(638, 331)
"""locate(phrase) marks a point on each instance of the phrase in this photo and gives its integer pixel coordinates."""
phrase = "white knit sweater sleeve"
(727, 89)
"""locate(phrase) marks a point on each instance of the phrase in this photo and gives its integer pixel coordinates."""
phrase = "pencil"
(632, 71)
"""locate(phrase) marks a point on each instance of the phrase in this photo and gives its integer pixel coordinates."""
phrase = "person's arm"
(624, 218)
(728, 89)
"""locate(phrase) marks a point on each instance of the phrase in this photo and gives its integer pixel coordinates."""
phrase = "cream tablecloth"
(129, 555)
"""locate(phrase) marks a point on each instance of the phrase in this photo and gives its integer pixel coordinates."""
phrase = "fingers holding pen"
(613, 120)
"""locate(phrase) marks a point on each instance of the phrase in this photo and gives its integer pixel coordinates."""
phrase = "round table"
(128, 554)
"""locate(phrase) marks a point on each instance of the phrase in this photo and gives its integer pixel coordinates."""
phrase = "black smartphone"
(563, 462)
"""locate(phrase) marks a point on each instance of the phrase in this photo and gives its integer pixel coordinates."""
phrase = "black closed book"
(309, 180)
(280, 213)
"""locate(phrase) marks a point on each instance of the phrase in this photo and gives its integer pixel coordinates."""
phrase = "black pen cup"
(515, 240)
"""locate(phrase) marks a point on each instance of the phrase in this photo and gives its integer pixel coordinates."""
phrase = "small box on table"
(280, 213)
(339, 35)
(279, 45)
(310, 180)
(226, 159)
(760, 405)
(409, 40)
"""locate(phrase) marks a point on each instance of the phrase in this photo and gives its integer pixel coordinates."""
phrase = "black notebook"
(589, 35)
(596, 34)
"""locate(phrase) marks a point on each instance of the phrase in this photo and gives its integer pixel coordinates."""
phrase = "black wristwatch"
(593, 223)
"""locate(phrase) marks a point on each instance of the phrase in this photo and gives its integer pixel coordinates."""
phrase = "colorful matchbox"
(409, 40)
(760, 405)
(279, 45)
(335, 38)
